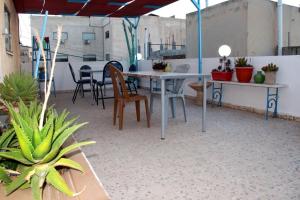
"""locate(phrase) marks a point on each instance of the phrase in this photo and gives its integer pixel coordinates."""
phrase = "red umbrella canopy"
(112, 8)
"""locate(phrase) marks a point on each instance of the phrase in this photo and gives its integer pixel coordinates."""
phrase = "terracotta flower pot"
(244, 74)
(221, 76)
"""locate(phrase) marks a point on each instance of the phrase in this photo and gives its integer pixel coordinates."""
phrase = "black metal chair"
(106, 80)
(85, 76)
(80, 83)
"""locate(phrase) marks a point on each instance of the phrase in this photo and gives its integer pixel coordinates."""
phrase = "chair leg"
(82, 90)
(151, 102)
(138, 110)
(97, 95)
(129, 88)
(102, 97)
(147, 113)
(54, 88)
(121, 114)
(115, 111)
(104, 90)
(94, 93)
(135, 88)
(75, 93)
(172, 102)
(184, 110)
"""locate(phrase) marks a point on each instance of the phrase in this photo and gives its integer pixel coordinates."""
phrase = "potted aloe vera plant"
(34, 150)
(40, 149)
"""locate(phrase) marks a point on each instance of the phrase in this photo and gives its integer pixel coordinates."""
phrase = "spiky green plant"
(270, 68)
(18, 86)
(242, 62)
(7, 140)
(41, 150)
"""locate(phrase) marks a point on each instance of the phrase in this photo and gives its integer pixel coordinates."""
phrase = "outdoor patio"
(241, 156)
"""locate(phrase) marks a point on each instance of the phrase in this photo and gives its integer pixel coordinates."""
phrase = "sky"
(179, 9)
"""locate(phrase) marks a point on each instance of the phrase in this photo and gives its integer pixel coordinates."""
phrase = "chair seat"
(104, 83)
(134, 97)
(86, 81)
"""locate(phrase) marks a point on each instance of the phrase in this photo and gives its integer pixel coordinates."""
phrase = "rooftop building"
(248, 26)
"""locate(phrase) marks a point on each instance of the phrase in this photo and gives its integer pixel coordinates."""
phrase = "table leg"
(163, 108)
(272, 101)
(217, 94)
(204, 105)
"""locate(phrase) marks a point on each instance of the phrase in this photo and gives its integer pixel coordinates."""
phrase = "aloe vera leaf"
(14, 185)
(55, 179)
(35, 188)
(4, 176)
(44, 147)
(17, 156)
(71, 148)
(59, 142)
(24, 142)
(68, 163)
(63, 127)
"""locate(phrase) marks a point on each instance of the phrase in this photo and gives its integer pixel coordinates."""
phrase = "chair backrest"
(178, 86)
(106, 71)
(85, 74)
(119, 85)
(72, 72)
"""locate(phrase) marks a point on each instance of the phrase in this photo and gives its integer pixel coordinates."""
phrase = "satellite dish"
(224, 50)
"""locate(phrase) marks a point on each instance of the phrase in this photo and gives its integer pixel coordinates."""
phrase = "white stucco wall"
(63, 78)
(248, 96)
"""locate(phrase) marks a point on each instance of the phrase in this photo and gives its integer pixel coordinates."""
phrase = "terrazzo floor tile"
(241, 156)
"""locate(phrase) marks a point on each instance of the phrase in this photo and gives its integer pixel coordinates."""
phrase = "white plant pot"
(270, 78)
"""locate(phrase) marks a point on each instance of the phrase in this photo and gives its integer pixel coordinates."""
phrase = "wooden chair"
(123, 97)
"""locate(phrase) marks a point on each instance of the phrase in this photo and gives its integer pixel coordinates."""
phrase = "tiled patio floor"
(241, 156)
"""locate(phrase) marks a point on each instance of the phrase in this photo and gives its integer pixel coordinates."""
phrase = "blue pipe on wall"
(198, 6)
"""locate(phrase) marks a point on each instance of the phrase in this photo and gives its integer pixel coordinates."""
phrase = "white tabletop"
(164, 75)
(250, 84)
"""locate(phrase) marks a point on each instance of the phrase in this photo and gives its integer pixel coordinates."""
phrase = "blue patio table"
(91, 71)
(163, 76)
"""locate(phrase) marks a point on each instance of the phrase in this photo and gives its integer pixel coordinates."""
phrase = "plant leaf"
(13, 186)
(4, 176)
(56, 145)
(63, 127)
(71, 148)
(36, 190)
(55, 179)
(68, 163)
(24, 142)
(36, 140)
(44, 147)
(17, 156)
(6, 138)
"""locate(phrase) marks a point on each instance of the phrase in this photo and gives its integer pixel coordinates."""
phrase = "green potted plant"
(159, 66)
(243, 70)
(224, 71)
(18, 86)
(40, 152)
(40, 148)
(270, 73)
